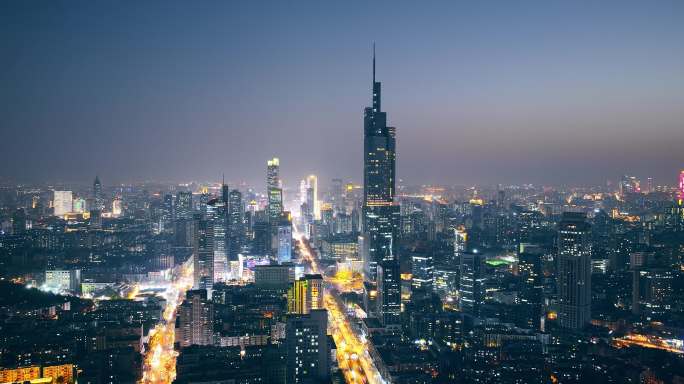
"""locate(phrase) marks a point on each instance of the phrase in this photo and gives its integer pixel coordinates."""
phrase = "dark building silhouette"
(574, 271)
(381, 216)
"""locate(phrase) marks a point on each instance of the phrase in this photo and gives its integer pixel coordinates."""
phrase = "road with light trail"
(159, 362)
(352, 349)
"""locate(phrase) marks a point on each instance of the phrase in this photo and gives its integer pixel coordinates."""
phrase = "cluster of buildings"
(503, 284)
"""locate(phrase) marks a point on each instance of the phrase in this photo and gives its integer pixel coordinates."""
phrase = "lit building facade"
(381, 217)
(305, 294)
(196, 319)
(308, 352)
(574, 271)
(62, 202)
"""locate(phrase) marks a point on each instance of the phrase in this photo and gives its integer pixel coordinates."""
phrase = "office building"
(312, 196)
(98, 197)
(203, 242)
(680, 192)
(284, 240)
(305, 294)
(62, 202)
(381, 217)
(183, 209)
(652, 291)
(196, 319)
(216, 218)
(574, 271)
(308, 350)
(422, 265)
(389, 293)
(274, 189)
(236, 224)
(274, 276)
(472, 282)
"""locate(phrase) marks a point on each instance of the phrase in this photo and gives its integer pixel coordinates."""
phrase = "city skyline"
(484, 94)
(496, 213)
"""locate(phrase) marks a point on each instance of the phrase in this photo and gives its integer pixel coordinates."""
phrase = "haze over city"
(224, 192)
(549, 93)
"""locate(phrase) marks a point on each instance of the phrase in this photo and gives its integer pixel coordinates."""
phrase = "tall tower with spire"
(380, 213)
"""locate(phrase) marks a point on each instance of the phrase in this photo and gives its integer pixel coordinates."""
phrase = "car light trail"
(652, 342)
(352, 351)
(159, 365)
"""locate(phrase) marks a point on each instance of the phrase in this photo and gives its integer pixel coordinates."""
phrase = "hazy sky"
(480, 91)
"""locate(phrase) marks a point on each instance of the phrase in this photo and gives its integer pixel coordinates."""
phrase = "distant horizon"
(543, 93)
(324, 183)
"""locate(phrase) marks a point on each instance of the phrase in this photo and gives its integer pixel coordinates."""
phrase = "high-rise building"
(183, 205)
(574, 271)
(308, 352)
(274, 189)
(216, 218)
(236, 224)
(284, 240)
(261, 245)
(460, 240)
(305, 294)
(167, 210)
(98, 198)
(629, 185)
(381, 217)
(472, 282)
(380, 231)
(531, 283)
(312, 196)
(422, 265)
(196, 319)
(62, 202)
(337, 195)
(389, 293)
(303, 186)
(652, 290)
(203, 243)
(680, 194)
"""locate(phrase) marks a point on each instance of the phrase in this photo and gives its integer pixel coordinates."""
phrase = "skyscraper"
(422, 265)
(312, 196)
(337, 195)
(216, 218)
(98, 198)
(204, 253)
(574, 271)
(284, 240)
(236, 224)
(381, 217)
(680, 195)
(472, 282)
(274, 189)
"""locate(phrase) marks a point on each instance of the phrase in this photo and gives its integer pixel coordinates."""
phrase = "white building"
(62, 202)
(62, 281)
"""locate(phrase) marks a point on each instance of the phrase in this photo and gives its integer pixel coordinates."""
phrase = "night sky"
(480, 92)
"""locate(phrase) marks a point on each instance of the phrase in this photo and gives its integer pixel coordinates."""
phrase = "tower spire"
(374, 63)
